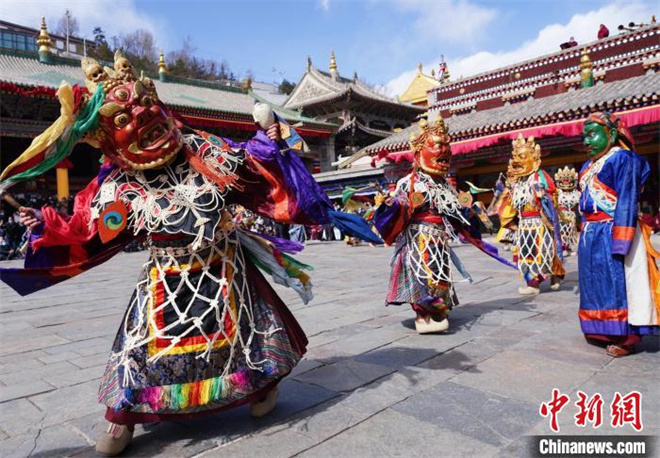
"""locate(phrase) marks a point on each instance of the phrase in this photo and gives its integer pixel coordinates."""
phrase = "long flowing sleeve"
(276, 184)
(631, 172)
(63, 247)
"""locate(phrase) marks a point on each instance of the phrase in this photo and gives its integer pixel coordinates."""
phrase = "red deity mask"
(432, 151)
(136, 131)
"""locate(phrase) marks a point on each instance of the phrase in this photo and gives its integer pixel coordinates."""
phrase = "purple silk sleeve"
(309, 198)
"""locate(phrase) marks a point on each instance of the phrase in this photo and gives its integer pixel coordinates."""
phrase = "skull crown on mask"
(136, 131)
(525, 158)
(431, 147)
(566, 179)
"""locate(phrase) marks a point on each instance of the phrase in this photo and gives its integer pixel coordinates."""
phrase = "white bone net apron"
(201, 331)
(567, 203)
(421, 264)
(535, 246)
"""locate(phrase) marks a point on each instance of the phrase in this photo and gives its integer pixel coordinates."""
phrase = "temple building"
(421, 84)
(21, 38)
(362, 115)
(30, 77)
(548, 97)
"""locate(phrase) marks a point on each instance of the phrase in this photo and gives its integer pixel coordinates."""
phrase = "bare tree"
(67, 24)
(138, 44)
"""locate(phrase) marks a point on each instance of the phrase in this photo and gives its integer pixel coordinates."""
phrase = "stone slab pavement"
(368, 386)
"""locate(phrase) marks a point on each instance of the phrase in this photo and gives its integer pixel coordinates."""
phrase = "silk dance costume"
(537, 249)
(204, 330)
(568, 199)
(421, 218)
(618, 267)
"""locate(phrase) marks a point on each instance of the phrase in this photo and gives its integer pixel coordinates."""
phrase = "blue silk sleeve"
(630, 173)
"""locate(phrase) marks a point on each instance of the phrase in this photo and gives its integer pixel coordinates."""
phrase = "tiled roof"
(369, 130)
(339, 88)
(619, 95)
(30, 72)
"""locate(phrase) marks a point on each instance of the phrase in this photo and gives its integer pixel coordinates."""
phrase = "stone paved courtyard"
(368, 386)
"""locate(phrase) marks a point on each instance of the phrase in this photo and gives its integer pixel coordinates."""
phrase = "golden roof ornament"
(586, 69)
(420, 67)
(44, 42)
(333, 66)
(162, 68)
(333, 62)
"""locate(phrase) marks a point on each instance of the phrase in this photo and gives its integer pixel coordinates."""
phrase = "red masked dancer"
(204, 331)
(421, 218)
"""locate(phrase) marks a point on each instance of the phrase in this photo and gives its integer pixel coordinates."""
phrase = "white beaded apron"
(208, 269)
(428, 245)
(568, 201)
(534, 242)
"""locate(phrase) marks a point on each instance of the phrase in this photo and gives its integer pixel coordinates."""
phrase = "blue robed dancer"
(619, 281)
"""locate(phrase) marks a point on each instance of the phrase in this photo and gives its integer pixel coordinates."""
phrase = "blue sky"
(382, 40)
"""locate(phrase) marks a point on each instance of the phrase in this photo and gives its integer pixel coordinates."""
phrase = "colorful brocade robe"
(421, 222)
(203, 330)
(618, 271)
(537, 249)
(567, 204)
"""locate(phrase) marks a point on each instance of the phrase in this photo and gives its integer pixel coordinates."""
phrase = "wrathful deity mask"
(136, 131)
(566, 179)
(602, 131)
(525, 158)
(431, 147)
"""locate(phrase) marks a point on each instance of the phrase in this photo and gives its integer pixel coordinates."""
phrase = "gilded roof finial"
(420, 67)
(44, 42)
(586, 70)
(162, 68)
(333, 62)
(247, 84)
(433, 72)
(309, 63)
(334, 73)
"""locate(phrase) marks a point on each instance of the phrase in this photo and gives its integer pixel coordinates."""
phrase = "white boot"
(427, 325)
(261, 408)
(528, 291)
(114, 440)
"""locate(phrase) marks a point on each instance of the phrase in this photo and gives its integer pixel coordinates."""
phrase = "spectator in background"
(603, 32)
(569, 44)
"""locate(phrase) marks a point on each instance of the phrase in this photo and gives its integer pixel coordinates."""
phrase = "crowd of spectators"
(13, 235)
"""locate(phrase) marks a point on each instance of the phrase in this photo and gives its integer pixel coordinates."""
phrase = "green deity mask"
(598, 139)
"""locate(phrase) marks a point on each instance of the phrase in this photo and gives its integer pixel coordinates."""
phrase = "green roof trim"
(288, 114)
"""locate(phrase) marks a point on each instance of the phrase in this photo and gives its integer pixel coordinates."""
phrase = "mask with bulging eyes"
(432, 151)
(525, 158)
(139, 132)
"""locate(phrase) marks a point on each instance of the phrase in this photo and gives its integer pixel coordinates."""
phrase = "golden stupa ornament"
(586, 70)
(334, 73)
(162, 68)
(44, 42)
